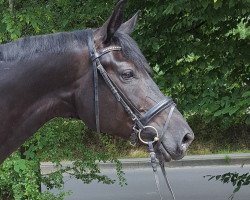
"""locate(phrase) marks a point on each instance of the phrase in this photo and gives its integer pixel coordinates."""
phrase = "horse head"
(146, 111)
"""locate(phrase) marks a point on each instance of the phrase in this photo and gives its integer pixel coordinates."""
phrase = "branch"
(11, 5)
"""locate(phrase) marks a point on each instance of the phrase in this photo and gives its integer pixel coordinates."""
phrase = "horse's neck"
(35, 92)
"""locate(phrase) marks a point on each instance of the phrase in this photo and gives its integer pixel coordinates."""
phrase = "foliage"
(41, 17)
(57, 140)
(200, 54)
(210, 137)
(234, 178)
(18, 180)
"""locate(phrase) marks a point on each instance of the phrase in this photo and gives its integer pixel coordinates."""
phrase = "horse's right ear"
(106, 32)
(129, 26)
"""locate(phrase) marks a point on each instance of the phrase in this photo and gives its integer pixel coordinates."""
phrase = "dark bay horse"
(49, 76)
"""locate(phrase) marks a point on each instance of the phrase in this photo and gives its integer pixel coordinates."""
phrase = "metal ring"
(156, 138)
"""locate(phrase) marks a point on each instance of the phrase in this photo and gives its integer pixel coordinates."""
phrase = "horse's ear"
(106, 32)
(129, 26)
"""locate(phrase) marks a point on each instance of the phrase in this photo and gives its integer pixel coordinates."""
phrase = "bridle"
(140, 120)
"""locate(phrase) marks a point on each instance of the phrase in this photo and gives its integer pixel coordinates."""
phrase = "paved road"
(187, 182)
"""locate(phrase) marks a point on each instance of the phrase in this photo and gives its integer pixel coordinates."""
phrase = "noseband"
(141, 121)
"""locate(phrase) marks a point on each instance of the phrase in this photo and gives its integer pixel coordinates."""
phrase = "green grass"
(141, 152)
(206, 151)
(226, 151)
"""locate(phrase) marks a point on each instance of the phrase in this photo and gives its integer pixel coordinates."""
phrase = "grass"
(226, 151)
(199, 148)
(227, 159)
(138, 153)
(141, 152)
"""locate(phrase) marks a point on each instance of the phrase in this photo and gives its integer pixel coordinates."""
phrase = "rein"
(140, 121)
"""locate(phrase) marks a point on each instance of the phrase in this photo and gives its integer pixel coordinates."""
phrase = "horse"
(97, 75)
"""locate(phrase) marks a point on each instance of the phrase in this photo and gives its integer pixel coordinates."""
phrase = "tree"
(199, 49)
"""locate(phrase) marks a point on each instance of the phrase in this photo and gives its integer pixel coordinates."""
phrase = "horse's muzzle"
(172, 150)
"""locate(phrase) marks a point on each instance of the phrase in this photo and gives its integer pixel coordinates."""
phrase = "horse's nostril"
(188, 138)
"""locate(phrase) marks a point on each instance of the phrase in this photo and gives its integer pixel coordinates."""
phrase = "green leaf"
(217, 4)
(204, 4)
(218, 113)
(168, 10)
(247, 121)
(233, 110)
(237, 189)
(19, 165)
(246, 94)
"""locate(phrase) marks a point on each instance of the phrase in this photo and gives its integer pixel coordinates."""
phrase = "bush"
(60, 139)
(213, 137)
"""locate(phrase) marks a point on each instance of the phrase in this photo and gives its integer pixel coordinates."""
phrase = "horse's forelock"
(132, 51)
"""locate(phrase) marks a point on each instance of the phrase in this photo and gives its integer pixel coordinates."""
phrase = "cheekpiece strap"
(93, 55)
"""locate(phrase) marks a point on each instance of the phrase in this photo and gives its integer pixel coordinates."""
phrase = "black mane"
(28, 46)
(66, 41)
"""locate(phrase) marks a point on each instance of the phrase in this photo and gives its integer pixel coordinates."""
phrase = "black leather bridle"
(141, 121)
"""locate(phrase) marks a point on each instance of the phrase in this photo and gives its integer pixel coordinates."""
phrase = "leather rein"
(140, 121)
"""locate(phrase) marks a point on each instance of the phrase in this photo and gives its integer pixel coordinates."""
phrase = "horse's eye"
(128, 74)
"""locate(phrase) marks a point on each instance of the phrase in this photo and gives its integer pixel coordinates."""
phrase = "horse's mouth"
(164, 154)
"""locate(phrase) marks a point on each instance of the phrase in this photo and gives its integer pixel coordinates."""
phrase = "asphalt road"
(187, 182)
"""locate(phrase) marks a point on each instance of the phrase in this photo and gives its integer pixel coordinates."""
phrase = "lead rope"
(156, 176)
(166, 178)
(154, 166)
(153, 158)
(165, 127)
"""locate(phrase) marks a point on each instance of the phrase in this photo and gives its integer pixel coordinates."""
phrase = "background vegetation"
(199, 51)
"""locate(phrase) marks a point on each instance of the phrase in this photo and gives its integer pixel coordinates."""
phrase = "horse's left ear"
(106, 32)
(129, 26)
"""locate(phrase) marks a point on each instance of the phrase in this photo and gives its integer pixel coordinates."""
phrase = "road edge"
(188, 161)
